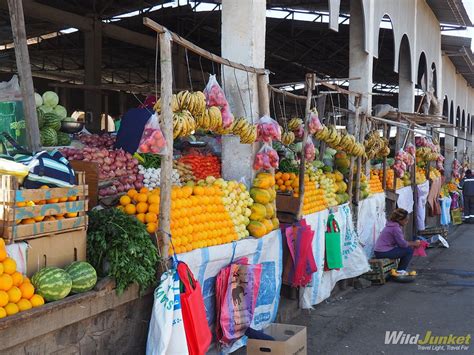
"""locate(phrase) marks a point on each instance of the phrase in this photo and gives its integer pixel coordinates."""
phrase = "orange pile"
(313, 200)
(375, 184)
(286, 181)
(144, 205)
(17, 294)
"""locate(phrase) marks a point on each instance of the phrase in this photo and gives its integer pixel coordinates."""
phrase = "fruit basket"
(32, 213)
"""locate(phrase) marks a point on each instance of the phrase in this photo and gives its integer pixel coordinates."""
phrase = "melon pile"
(50, 114)
(54, 283)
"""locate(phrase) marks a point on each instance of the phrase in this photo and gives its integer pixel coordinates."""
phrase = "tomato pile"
(202, 165)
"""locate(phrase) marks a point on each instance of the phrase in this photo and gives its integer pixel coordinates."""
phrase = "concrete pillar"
(243, 41)
(360, 62)
(449, 152)
(93, 76)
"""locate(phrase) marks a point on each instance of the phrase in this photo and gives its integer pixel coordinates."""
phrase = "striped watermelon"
(52, 283)
(52, 120)
(40, 115)
(48, 137)
(83, 275)
(63, 138)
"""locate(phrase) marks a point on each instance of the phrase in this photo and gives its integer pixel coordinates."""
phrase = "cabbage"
(46, 109)
(50, 98)
(38, 99)
(60, 111)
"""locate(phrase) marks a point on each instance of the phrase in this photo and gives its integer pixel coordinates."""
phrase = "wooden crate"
(380, 270)
(91, 171)
(287, 203)
(10, 213)
(434, 231)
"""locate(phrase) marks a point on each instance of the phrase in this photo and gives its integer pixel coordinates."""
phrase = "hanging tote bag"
(198, 334)
(333, 244)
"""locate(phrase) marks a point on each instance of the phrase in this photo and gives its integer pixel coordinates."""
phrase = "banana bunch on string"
(376, 146)
(245, 130)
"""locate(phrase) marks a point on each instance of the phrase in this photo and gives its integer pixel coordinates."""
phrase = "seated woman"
(392, 244)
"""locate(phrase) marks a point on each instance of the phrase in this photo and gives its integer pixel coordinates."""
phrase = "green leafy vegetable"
(124, 243)
(148, 160)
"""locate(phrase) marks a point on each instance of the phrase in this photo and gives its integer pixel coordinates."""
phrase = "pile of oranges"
(44, 202)
(375, 184)
(17, 294)
(144, 205)
(313, 200)
(286, 181)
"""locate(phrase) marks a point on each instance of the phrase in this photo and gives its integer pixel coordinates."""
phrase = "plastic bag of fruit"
(215, 96)
(152, 140)
(266, 158)
(410, 148)
(314, 125)
(268, 130)
(309, 150)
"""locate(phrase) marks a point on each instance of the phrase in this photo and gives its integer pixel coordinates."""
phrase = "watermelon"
(40, 115)
(63, 138)
(52, 120)
(48, 137)
(83, 275)
(52, 283)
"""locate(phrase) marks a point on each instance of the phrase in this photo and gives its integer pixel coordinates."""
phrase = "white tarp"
(354, 259)
(206, 263)
(371, 221)
(405, 198)
(423, 190)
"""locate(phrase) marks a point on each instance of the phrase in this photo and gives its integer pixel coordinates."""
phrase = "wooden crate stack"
(11, 214)
(380, 270)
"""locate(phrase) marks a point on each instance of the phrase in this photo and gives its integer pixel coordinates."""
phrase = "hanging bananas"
(194, 102)
(183, 124)
(287, 138)
(295, 124)
(376, 146)
(345, 142)
(245, 130)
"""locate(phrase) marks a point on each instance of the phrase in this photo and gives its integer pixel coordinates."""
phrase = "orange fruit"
(130, 209)
(37, 301)
(63, 199)
(283, 188)
(187, 191)
(27, 290)
(285, 176)
(142, 207)
(14, 294)
(151, 217)
(26, 280)
(154, 208)
(288, 183)
(198, 190)
(38, 218)
(49, 218)
(9, 266)
(154, 198)
(144, 190)
(3, 253)
(141, 197)
(2, 243)
(4, 298)
(125, 200)
(11, 309)
(151, 227)
(53, 200)
(24, 305)
(3, 313)
(28, 221)
(59, 216)
(141, 217)
(44, 187)
(278, 175)
(131, 193)
(1, 269)
(20, 204)
(72, 198)
(72, 214)
(17, 278)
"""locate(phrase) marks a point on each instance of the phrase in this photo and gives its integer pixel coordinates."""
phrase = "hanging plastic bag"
(309, 150)
(266, 158)
(333, 244)
(227, 116)
(215, 96)
(314, 124)
(198, 334)
(411, 149)
(152, 140)
(166, 331)
(268, 130)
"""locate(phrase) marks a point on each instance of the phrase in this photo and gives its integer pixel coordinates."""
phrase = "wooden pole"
(17, 20)
(263, 94)
(415, 188)
(310, 82)
(167, 127)
(386, 134)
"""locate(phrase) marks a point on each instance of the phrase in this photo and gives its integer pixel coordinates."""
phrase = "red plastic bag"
(152, 140)
(215, 97)
(268, 130)
(309, 150)
(198, 334)
(266, 158)
(314, 125)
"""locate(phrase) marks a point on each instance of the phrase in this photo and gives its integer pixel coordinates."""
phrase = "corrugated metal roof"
(450, 12)
(458, 49)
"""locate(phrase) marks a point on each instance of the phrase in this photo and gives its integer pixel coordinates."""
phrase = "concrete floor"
(440, 300)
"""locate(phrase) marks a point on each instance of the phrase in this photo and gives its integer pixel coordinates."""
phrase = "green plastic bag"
(333, 244)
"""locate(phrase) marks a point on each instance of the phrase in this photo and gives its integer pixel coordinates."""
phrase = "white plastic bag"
(215, 97)
(152, 140)
(166, 333)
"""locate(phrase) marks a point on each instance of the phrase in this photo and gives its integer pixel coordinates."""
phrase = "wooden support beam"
(167, 127)
(288, 94)
(310, 79)
(386, 134)
(17, 20)
(93, 76)
(198, 50)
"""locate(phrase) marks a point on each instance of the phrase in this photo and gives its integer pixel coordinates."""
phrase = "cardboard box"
(287, 203)
(55, 250)
(289, 340)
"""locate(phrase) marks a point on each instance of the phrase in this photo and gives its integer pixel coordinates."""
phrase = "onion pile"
(106, 140)
(116, 165)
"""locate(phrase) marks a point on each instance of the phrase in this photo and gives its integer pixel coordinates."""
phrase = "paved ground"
(441, 300)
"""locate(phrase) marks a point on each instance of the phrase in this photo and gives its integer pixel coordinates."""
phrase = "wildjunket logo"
(429, 341)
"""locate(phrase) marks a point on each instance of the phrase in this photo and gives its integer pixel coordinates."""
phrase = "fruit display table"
(91, 322)
(354, 259)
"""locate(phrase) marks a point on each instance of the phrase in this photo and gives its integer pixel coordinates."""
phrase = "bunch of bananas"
(245, 130)
(287, 138)
(295, 124)
(210, 120)
(376, 146)
(329, 135)
(183, 124)
(194, 102)
(345, 142)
